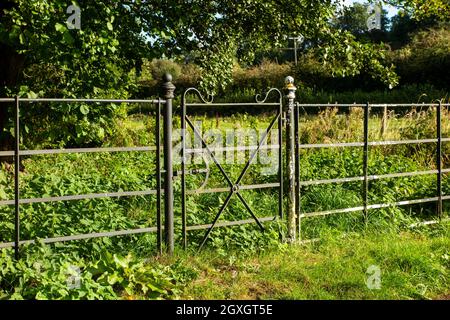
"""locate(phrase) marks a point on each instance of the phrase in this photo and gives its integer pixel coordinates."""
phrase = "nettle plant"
(48, 274)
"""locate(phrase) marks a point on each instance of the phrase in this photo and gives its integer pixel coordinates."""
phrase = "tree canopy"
(40, 55)
(116, 36)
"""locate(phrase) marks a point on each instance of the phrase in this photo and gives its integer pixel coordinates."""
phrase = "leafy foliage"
(424, 58)
(421, 9)
(45, 274)
(354, 19)
(114, 268)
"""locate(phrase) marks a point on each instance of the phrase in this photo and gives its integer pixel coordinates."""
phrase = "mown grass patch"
(413, 266)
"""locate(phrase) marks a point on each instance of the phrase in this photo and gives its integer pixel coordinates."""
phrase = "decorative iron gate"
(234, 187)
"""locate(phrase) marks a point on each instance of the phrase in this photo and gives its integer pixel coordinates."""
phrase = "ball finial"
(167, 77)
(289, 80)
(290, 87)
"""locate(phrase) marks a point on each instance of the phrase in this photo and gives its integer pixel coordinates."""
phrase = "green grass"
(413, 266)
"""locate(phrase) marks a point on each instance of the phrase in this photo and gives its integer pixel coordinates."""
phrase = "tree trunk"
(11, 67)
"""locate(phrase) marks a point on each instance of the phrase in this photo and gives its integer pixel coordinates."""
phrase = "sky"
(392, 11)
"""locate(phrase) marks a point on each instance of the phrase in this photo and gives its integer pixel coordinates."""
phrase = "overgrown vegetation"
(46, 273)
(123, 267)
(419, 65)
(122, 51)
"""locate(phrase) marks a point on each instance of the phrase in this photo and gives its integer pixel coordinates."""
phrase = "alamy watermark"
(374, 20)
(373, 281)
(74, 20)
(73, 280)
(230, 146)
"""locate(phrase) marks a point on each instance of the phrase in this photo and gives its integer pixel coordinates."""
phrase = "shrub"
(414, 93)
(159, 67)
(190, 76)
(184, 76)
(266, 75)
(426, 58)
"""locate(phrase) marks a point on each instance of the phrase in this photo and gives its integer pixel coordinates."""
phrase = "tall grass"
(69, 174)
(79, 174)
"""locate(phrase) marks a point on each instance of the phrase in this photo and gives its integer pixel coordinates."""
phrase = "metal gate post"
(16, 181)
(290, 149)
(365, 189)
(168, 90)
(298, 198)
(439, 159)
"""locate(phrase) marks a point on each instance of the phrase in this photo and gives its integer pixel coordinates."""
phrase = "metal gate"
(233, 188)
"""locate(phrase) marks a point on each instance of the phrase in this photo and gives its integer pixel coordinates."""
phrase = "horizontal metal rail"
(238, 148)
(131, 193)
(309, 241)
(331, 145)
(375, 105)
(229, 223)
(227, 104)
(328, 212)
(6, 153)
(83, 236)
(312, 105)
(86, 150)
(371, 143)
(131, 232)
(383, 143)
(427, 223)
(395, 105)
(228, 189)
(83, 100)
(328, 181)
(371, 177)
(218, 149)
(81, 197)
(372, 206)
(129, 149)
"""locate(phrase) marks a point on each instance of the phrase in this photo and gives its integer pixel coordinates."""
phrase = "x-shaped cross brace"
(234, 187)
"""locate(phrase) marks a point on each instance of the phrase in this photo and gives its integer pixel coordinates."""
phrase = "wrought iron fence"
(17, 153)
(365, 178)
(287, 120)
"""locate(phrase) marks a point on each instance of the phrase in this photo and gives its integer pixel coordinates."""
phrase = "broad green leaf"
(60, 27)
(67, 37)
(84, 109)
(3, 195)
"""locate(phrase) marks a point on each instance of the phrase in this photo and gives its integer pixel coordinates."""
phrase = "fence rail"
(366, 177)
(17, 153)
(287, 120)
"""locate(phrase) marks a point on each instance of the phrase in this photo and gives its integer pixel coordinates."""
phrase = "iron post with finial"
(168, 94)
(291, 161)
